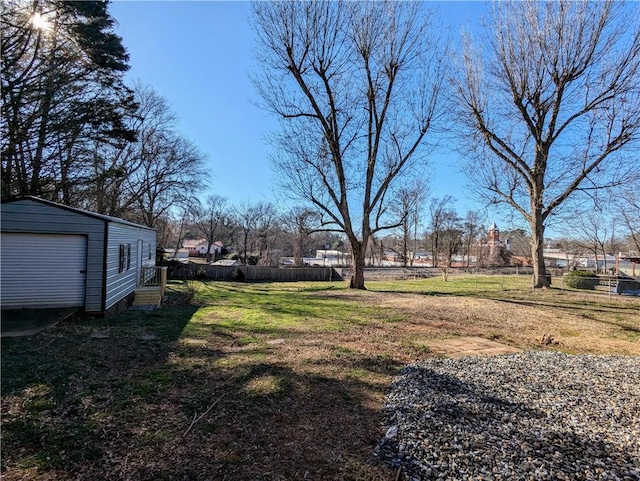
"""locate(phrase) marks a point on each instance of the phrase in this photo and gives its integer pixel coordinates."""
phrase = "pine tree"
(62, 94)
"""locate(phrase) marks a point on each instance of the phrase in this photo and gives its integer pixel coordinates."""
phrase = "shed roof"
(225, 262)
(87, 213)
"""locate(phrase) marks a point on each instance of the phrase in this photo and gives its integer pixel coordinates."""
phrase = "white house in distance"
(323, 258)
(198, 247)
(55, 256)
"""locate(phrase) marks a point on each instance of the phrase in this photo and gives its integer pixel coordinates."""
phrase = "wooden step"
(148, 296)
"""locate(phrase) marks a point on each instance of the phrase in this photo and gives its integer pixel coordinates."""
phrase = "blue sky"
(198, 54)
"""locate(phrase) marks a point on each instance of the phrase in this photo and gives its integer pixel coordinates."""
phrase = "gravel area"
(527, 416)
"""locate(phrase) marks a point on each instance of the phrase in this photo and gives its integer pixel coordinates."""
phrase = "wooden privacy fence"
(253, 273)
(410, 273)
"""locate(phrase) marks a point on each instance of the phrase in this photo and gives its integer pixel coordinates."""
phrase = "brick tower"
(493, 236)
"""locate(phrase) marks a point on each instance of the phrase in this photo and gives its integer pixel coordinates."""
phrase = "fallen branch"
(197, 418)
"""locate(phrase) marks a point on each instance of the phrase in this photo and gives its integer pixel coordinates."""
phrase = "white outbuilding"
(55, 256)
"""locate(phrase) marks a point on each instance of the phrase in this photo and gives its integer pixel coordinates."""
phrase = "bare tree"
(300, 222)
(408, 204)
(357, 86)
(246, 219)
(450, 236)
(266, 231)
(519, 244)
(595, 227)
(143, 180)
(575, 252)
(169, 168)
(256, 221)
(207, 217)
(471, 230)
(626, 200)
(440, 214)
(551, 105)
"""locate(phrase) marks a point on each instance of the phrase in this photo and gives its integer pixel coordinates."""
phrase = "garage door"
(42, 270)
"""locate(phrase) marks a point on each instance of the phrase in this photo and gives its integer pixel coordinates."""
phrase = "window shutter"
(121, 259)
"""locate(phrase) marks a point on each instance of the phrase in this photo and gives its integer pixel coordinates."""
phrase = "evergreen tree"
(62, 93)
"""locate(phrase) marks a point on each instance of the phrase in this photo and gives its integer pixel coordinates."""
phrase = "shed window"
(149, 251)
(125, 257)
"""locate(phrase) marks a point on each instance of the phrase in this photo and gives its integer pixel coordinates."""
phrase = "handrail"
(153, 277)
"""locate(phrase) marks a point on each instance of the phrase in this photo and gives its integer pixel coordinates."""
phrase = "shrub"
(201, 274)
(189, 293)
(238, 275)
(253, 260)
(582, 280)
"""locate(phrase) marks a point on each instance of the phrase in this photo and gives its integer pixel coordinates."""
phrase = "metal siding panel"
(42, 270)
(121, 284)
(29, 216)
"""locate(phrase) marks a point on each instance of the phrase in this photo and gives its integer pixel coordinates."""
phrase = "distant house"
(191, 245)
(57, 256)
(627, 262)
(198, 247)
(328, 258)
(180, 255)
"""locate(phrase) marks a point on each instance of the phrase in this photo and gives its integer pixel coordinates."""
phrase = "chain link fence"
(502, 279)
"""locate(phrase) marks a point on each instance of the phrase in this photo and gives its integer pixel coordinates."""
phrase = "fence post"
(163, 280)
(609, 288)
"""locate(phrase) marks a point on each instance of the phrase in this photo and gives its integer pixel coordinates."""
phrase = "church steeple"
(493, 235)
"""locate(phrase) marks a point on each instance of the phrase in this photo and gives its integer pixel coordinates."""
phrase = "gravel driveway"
(528, 416)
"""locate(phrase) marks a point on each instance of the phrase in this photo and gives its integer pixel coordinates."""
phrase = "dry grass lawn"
(259, 381)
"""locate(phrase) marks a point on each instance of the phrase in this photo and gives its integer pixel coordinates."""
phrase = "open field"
(262, 381)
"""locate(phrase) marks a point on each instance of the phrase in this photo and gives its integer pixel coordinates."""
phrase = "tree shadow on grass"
(59, 385)
(142, 401)
(568, 306)
(100, 347)
(269, 422)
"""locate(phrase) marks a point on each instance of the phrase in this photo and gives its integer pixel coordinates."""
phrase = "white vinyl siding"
(42, 270)
(30, 216)
(122, 283)
(105, 286)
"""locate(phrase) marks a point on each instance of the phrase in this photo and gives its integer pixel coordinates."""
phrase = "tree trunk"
(246, 236)
(209, 245)
(604, 259)
(405, 244)
(298, 259)
(540, 277)
(434, 250)
(359, 253)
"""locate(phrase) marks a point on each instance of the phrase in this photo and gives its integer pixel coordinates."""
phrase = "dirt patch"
(468, 346)
(579, 325)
